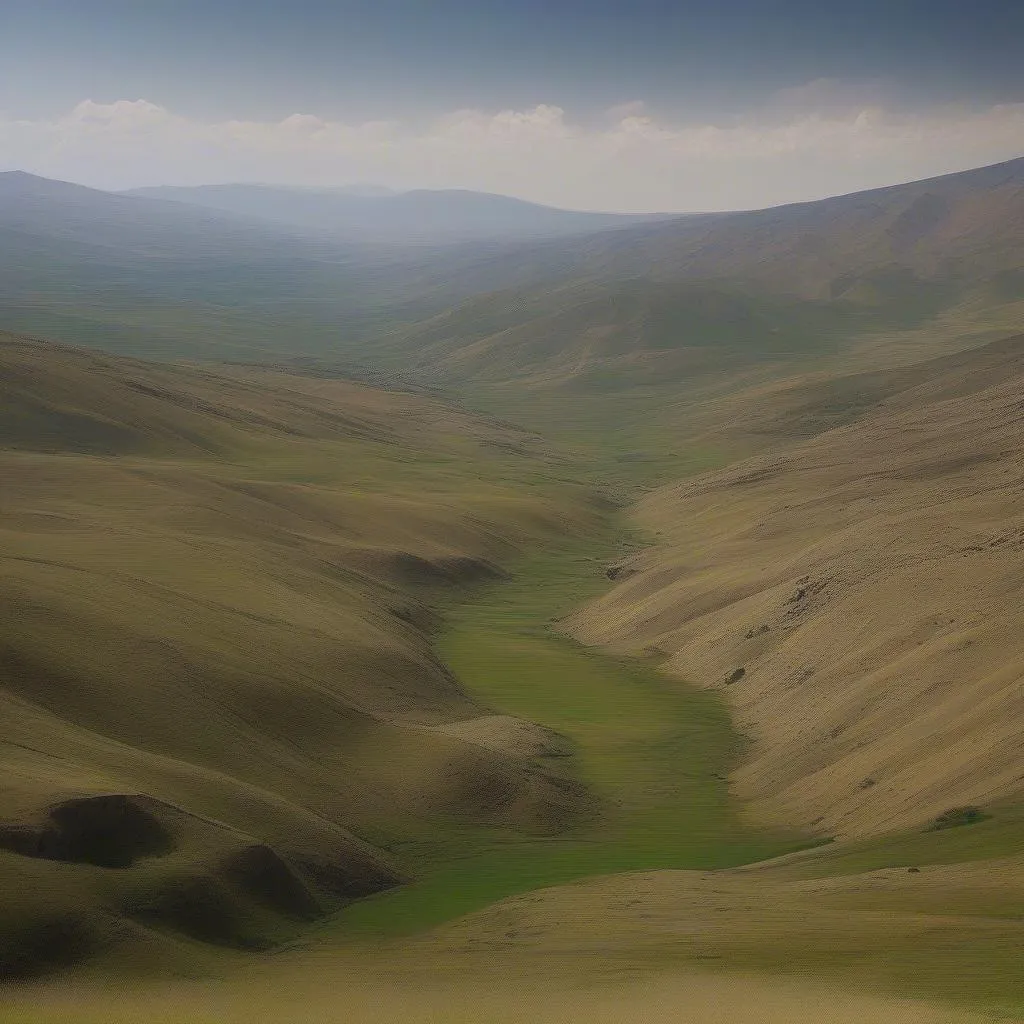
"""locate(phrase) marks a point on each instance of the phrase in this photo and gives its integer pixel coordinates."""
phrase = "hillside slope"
(618, 335)
(858, 596)
(149, 277)
(961, 227)
(420, 216)
(663, 301)
(677, 299)
(216, 667)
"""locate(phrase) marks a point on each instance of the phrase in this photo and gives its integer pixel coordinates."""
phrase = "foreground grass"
(654, 752)
(357, 993)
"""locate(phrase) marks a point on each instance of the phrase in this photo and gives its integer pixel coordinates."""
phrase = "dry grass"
(880, 555)
(867, 581)
(327, 992)
(217, 591)
(949, 931)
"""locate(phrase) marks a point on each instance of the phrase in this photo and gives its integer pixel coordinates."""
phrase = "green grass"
(999, 834)
(654, 752)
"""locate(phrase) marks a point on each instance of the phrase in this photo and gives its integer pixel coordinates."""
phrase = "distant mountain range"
(609, 305)
(368, 214)
(171, 280)
(668, 300)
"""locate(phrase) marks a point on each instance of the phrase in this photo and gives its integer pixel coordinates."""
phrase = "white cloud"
(808, 142)
(831, 97)
(634, 108)
(124, 114)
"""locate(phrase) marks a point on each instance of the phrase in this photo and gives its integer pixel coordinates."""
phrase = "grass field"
(999, 835)
(654, 752)
(246, 564)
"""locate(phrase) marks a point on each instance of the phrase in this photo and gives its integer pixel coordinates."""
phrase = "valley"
(519, 621)
(654, 757)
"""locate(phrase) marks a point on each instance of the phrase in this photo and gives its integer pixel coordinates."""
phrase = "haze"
(680, 107)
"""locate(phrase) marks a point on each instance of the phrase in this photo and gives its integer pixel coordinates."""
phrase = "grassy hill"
(669, 301)
(855, 593)
(274, 641)
(618, 336)
(680, 299)
(216, 665)
(918, 915)
(962, 227)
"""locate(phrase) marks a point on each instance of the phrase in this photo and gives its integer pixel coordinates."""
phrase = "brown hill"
(856, 596)
(215, 660)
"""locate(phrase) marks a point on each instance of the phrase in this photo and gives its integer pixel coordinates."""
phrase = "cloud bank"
(802, 145)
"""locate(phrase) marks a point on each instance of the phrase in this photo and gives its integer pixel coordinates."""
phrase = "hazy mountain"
(671, 298)
(358, 188)
(422, 216)
(132, 226)
(151, 277)
(649, 301)
(146, 276)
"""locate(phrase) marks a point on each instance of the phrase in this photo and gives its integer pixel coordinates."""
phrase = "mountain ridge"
(861, 264)
(415, 216)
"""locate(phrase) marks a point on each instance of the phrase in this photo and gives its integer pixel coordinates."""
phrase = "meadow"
(654, 752)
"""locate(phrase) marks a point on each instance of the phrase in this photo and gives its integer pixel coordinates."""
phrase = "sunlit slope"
(857, 595)
(215, 663)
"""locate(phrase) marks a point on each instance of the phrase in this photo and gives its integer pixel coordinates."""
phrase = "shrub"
(957, 816)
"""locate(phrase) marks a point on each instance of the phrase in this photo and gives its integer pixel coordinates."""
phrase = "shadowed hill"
(149, 277)
(421, 216)
(215, 656)
(856, 595)
(677, 299)
(619, 335)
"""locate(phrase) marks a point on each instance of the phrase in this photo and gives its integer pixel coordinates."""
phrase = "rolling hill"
(667, 301)
(855, 593)
(238, 691)
(136, 275)
(677, 299)
(153, 278)
(219, 691)
(417, 217)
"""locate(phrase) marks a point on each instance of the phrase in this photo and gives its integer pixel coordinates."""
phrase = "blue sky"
(356, 61)
(375, 57)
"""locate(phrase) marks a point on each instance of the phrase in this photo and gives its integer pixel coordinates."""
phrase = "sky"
(600, 104)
